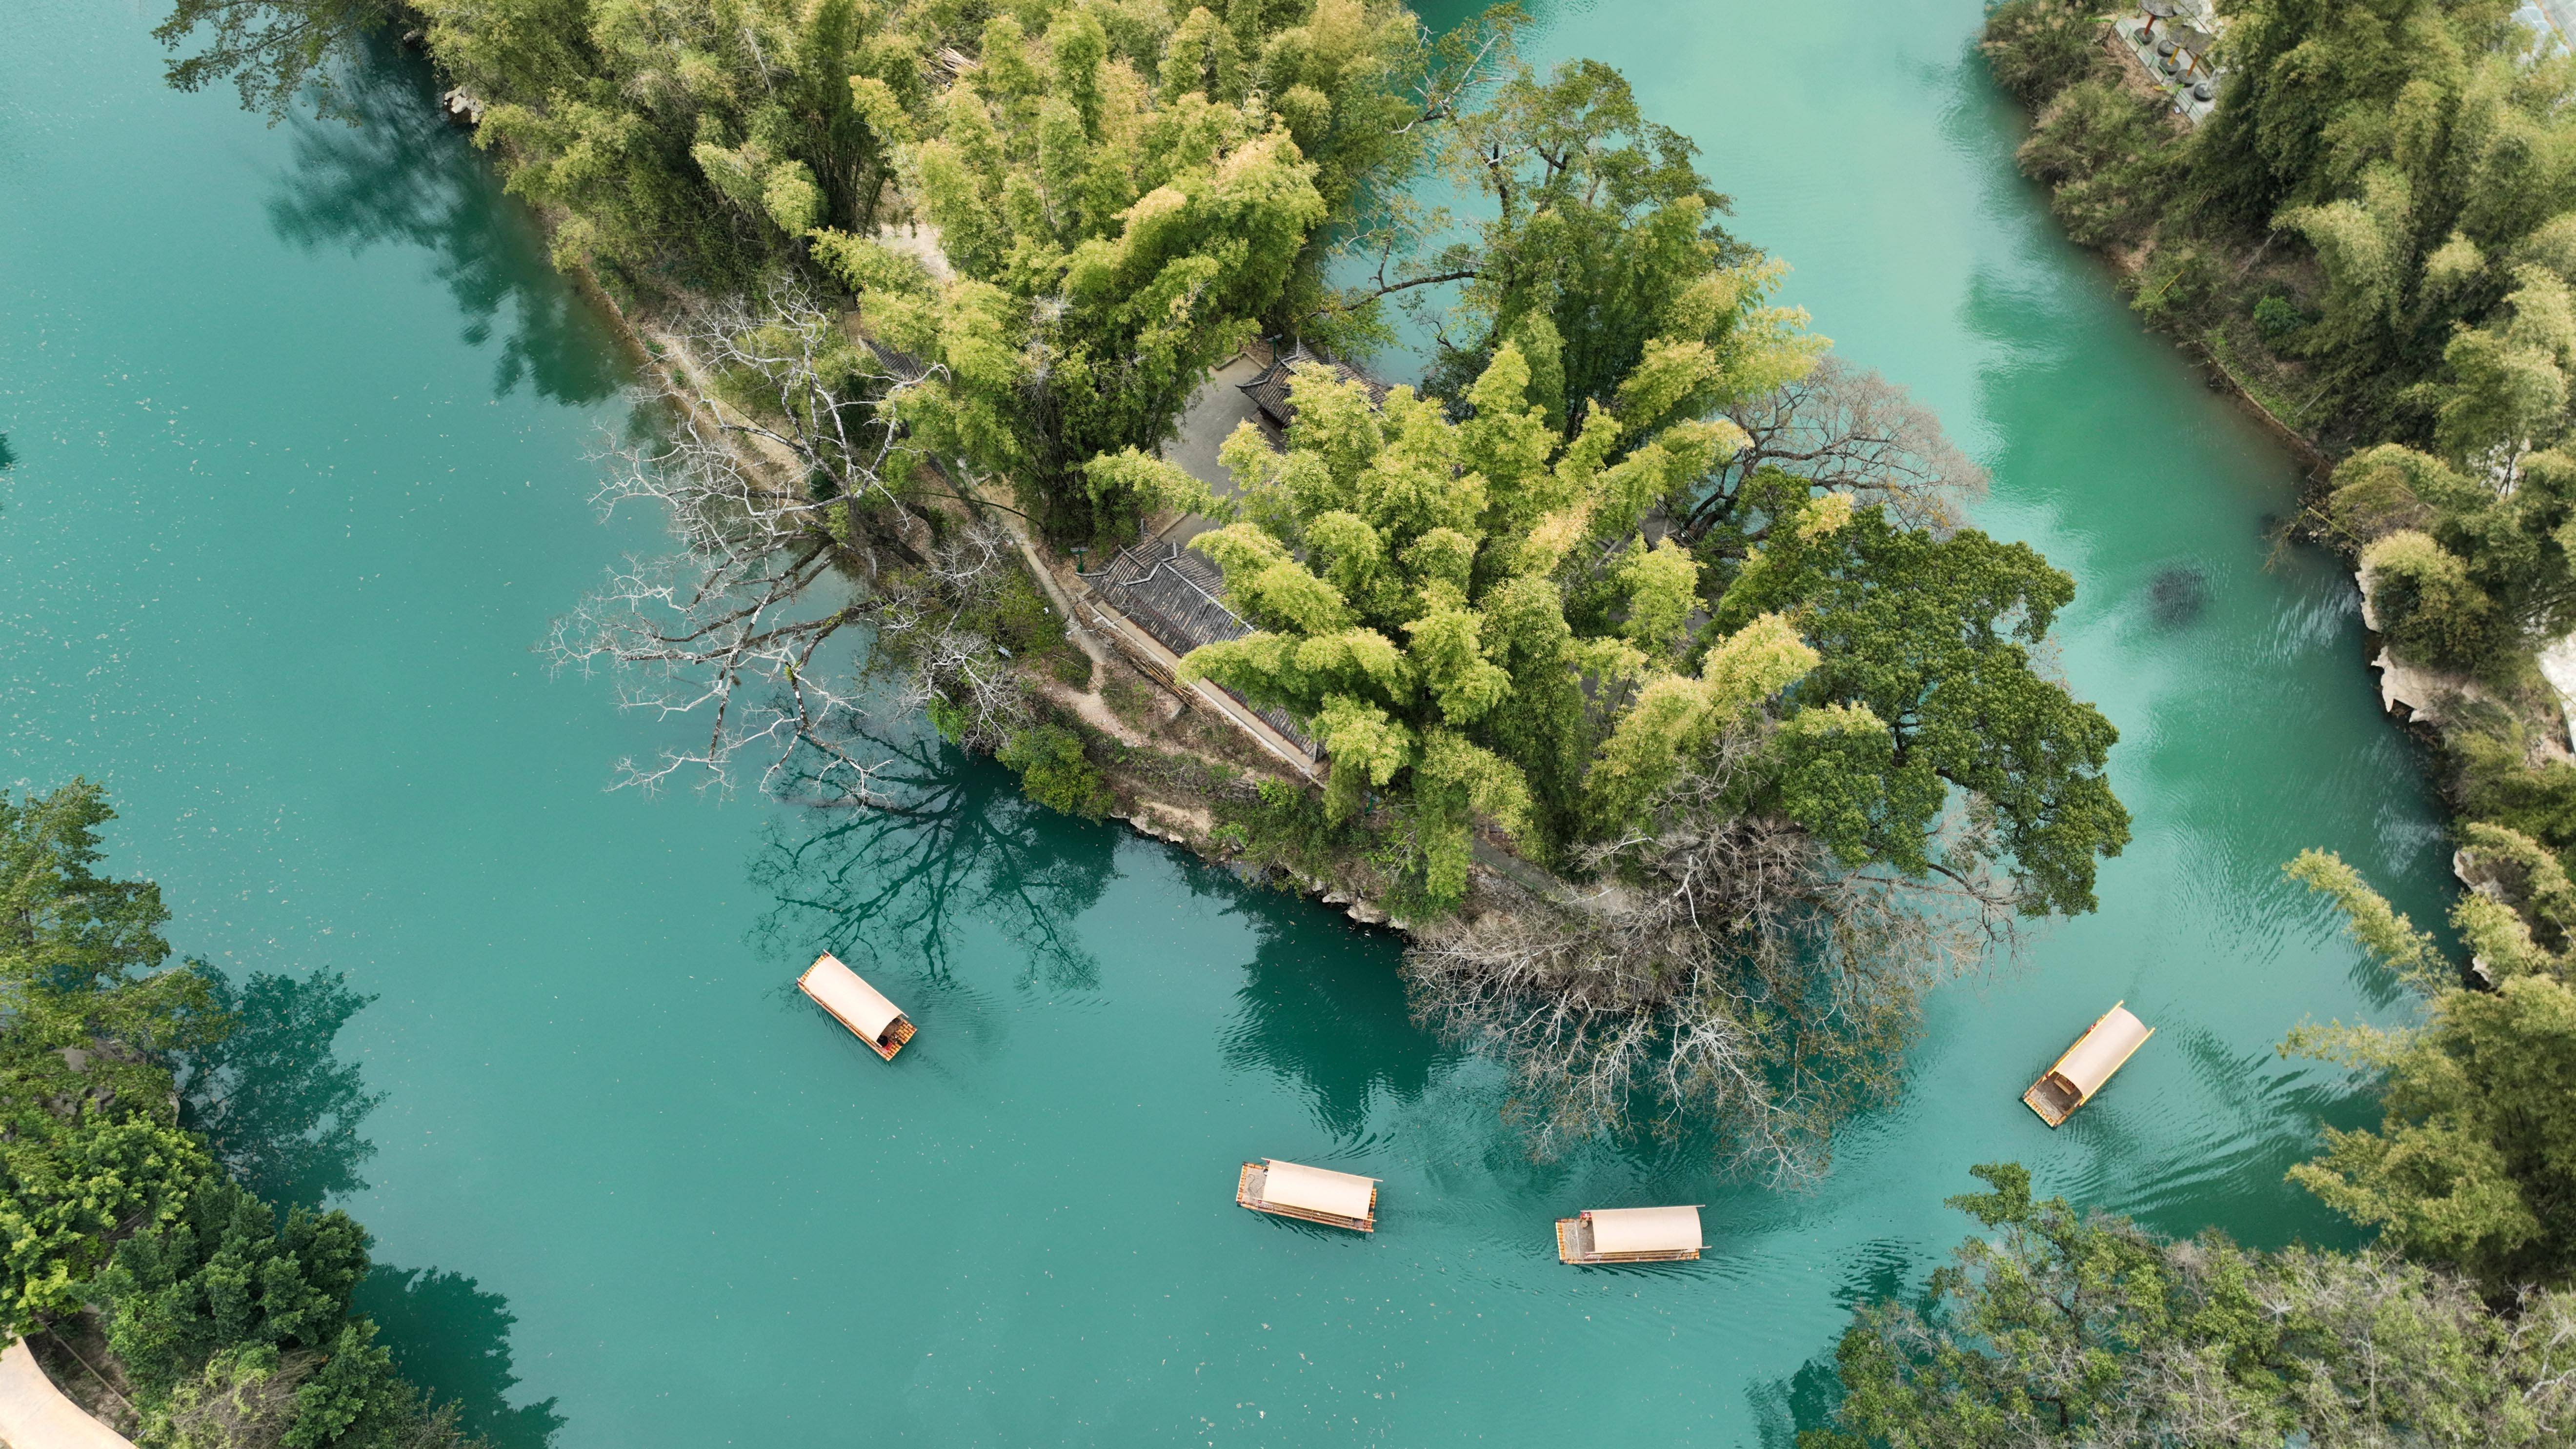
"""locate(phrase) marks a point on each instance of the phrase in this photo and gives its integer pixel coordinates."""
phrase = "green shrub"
(2278, 318)
(1070, 666)
(1281, 825)
(1056, 773)
(2426, 603)
(1131, 699)
(2498, 783)
(2037, 48)
(2108, 155)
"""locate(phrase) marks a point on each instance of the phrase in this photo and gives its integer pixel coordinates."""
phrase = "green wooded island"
(712, 702)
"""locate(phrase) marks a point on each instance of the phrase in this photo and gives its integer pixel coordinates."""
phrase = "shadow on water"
(1784, 1408)
(453, 1340)
(957, 845)
(276, 1105)
(401, 174)
(1324, 1009)
(2262, 1117)
(281, 1110)
(960, 850)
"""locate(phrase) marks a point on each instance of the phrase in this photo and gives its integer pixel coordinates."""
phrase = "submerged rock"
(2178, 596)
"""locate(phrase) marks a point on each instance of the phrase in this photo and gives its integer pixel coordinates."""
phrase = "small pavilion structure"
(1312, 1194)
(1630, 1235)
(857, 1005)
(2103, 1049)
(1269, 391)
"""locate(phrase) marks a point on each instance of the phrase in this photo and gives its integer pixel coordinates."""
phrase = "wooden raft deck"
(2083, 1068)
(1248, 1186)
(895, 1036)
(1574, 1245)
(2052, 1098)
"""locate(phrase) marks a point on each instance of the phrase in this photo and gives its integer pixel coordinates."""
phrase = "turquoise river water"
(299, 418)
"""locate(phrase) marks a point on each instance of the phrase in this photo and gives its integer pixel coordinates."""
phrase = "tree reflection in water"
(958, 843)
(402, 174)
(1322, 1007)
(275, 1103)
(281, 1110)
(954, 842)
(453, 1339)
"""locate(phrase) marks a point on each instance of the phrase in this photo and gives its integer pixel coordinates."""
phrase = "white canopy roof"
(1646, 1230)
(842, 993)
(2099, 1054)
(1317, 1190)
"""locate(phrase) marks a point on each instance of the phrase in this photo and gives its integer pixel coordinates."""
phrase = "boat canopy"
(1317, 1190)
(2090, 1062)
(1646, 1230)
(859, 1006)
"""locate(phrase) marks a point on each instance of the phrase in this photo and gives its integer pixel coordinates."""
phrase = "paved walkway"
(1214, 411)
(35, 1415)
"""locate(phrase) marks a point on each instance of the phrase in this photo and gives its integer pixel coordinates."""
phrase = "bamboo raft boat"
(857, 1005)
(1630, 1235)
(2104, 1048)
(1312, 1194)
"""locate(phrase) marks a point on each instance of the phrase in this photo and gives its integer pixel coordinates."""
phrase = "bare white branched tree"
(931, 621)
(783, 476)
(1850, 431)
(1730, 975)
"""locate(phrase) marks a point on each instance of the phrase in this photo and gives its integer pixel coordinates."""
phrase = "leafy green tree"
(1925, 643)
(231, 1330)
(228, 1273)
(686, 143)
(2309, 78)
(2075, 1329)
(229, 1309)
(2037, 48)
(1055, 772)
(2108, 156)
(1389, 522)
(1602, 238)
(2474, 1164)
(2464, 563)
(271, 50)
(2426, 602)
(91, 1150)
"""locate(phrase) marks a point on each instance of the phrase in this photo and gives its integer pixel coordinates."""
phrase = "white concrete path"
(35, 1415)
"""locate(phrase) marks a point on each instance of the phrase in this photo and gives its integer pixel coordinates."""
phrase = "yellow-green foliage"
(2425, 600)
(2476, 1156)
(1122, 207)
(1399, 570)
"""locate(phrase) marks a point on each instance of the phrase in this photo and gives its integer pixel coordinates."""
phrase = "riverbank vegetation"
(2457, 1326)
(2363, 236)
(140, 1100)
(2374, 234)
(2066, 1328)
(1637, 586)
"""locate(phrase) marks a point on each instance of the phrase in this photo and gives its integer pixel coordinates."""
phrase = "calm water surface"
(299, 419)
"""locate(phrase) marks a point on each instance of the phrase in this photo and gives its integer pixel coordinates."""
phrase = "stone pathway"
(35, 1415)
